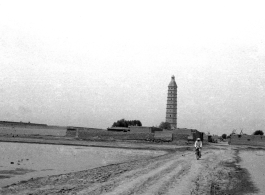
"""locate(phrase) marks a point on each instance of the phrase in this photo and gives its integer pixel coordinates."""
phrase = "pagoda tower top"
(173, 82)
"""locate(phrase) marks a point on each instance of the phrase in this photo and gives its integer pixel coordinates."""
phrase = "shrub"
(258, 132)
(224, 136)
(165, 125)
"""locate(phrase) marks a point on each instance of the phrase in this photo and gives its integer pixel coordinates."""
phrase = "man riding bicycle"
(198, 146)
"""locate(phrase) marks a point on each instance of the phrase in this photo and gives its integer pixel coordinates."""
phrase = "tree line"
(126, 123)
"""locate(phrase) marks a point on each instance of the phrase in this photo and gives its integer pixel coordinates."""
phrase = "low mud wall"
(183, 131)
(141, 129)
(74, 131)
(176, 136)
(107, 135)
(253, 140)
(163, 135)
(184, 134)
(71, 133)
(22, 124)
(100, 134)
(21, 131)
(138, 129)
(193, 136)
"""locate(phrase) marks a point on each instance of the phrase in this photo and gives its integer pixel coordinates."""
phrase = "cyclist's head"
(198, 139)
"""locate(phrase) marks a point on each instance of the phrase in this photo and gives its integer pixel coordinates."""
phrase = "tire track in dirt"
(154, 180)
(187, 181)
(209, 171)
(173, 180)
(202, 174)
(153, 183)
(127, 176)
(203, 179)
(129, 186)
(174, 177)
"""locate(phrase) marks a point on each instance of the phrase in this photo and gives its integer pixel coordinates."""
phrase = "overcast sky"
(91, 63)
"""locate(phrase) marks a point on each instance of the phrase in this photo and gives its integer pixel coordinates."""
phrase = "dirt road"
(176, 174)
(173, 173)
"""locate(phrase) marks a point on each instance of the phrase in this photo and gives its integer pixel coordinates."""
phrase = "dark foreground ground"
(176, 172)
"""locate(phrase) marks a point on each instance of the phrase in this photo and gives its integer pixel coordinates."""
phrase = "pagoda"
(171, 113)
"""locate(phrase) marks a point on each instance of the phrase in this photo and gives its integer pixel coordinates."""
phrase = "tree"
(258, 132)
(125, 123)
(165, 125)
(138, 123)
(224, 136)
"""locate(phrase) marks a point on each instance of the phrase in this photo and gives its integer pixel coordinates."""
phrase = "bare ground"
(174, 173)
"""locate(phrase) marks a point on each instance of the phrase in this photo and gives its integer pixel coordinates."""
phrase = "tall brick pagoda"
(171, 114)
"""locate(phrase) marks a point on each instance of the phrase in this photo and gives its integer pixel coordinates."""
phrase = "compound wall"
(163, 135)
(177, 137)
(141, 129)
(183, 131)
(143, 134)
(108, 135)
(22, 131)
(253, 140)
(184, 134)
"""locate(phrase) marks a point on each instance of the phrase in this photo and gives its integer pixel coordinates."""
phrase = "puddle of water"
(253, 161)
(22, 161)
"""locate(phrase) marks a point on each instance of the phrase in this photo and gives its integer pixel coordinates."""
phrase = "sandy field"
(219, 171)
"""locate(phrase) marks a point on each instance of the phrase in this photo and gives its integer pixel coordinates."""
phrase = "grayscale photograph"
(142, 97)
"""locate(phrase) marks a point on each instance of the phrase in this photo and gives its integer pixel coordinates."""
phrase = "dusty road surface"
(176, 172)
